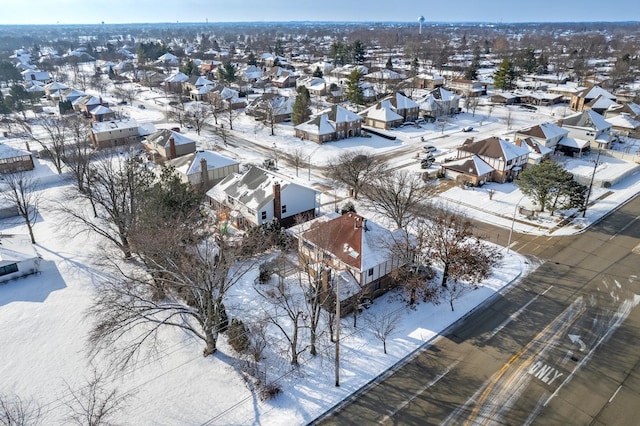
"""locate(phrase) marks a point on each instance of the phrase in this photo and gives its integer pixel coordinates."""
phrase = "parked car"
(176, 129)
(430, 148)
(467, 129)
(142, 106)
(528, 108)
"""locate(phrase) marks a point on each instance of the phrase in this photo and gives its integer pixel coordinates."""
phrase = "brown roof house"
(166, 144)
(472, 171)
(353, 256)
(271, 105)
(337, 123)
(257, 196)
(506, 158)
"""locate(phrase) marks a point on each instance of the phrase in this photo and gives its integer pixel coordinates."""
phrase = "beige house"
(203, 169)
(107, 134)
(507, 159)
(166, 144)
(337, 123)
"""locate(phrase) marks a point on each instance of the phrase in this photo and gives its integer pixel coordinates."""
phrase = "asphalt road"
(561, 347)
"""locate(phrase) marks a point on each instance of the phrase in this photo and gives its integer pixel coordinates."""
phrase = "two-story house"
(546, 134)
(257, 196)
(355, 254)
(166, 144)
(337, 123)
(589, 126)
(507, 159)
(107, 134)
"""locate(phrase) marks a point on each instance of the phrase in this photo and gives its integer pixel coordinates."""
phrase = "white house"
(257, 196)
(18, 257)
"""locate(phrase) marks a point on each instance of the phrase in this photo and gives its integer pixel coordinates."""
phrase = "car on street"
(467, 129)
(430, 148)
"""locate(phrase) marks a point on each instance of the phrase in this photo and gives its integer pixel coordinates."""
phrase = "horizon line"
(319, 22)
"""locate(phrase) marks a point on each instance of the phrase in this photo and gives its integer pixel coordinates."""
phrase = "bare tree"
(399, 195)
(22, 192)
(198, 117)
(78, 155)
(284, 300)
(382, 325)
(126, 92)
(465, 259)
(93, 404)
(223, 133)
(230, 116)
(15, 411)
(194, 280)
(355, 169)
(297, 158)
(56, 133)
(114, 188)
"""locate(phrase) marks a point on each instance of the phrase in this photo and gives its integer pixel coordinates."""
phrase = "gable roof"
(319, 125)
(624, 120)
(382, 111)
(587, 118)
(495, 147)
(400, 101)
(253, 188)
(535, 148)
(190, 164)
(354, 240)
(162, 137)
(340, 114)
(545, 131)
(474, 166)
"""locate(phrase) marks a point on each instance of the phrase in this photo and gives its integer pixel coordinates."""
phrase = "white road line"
(417, 393)
(516, 314)
(615, 393)
(624, 228)
(620, 315)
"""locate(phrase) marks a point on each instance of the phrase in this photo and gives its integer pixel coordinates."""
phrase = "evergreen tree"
(503, 77)
(189, 68)
(526, 61)
(389, 64)
(415, 65)
(302, 106)
(358, 52)
(251, 59)
(317, 72)
(471, 73)
(227, 72)
(355, 93)
(549, 184)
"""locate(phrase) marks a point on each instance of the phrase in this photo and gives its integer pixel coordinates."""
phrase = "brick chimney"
(172, 148)
(277, 201)
(204, 174)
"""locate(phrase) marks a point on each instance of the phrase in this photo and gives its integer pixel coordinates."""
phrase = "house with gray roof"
(589, 126)
(203, 169)
(166, 144)
(257, 196)
(334, 124)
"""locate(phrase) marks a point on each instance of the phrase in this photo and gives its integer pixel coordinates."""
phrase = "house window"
(8, 269)
(263, 215)
(370, 272)
(284, 208)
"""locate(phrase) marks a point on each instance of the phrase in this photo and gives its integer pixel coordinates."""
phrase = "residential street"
(560, 347)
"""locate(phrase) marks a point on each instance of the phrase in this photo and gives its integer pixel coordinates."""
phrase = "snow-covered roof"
(7, 151)
(472, 165)
(624, 121)
(318, 126)
(177, 78)
(494, 147)
(190, 164)
(573, 142)
(16, 248)
(100, 110)
(547, 131)
(110, 126)
(383, 111)
(588, 118)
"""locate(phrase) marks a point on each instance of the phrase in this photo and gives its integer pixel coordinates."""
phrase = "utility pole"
(593, 175)
(337, 332)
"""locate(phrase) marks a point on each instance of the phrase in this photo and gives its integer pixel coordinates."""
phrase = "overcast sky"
(128, 11)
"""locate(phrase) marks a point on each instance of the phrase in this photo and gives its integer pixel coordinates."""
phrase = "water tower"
(421, 20)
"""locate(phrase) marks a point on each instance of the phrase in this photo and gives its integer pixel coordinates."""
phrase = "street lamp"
(513, 222)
